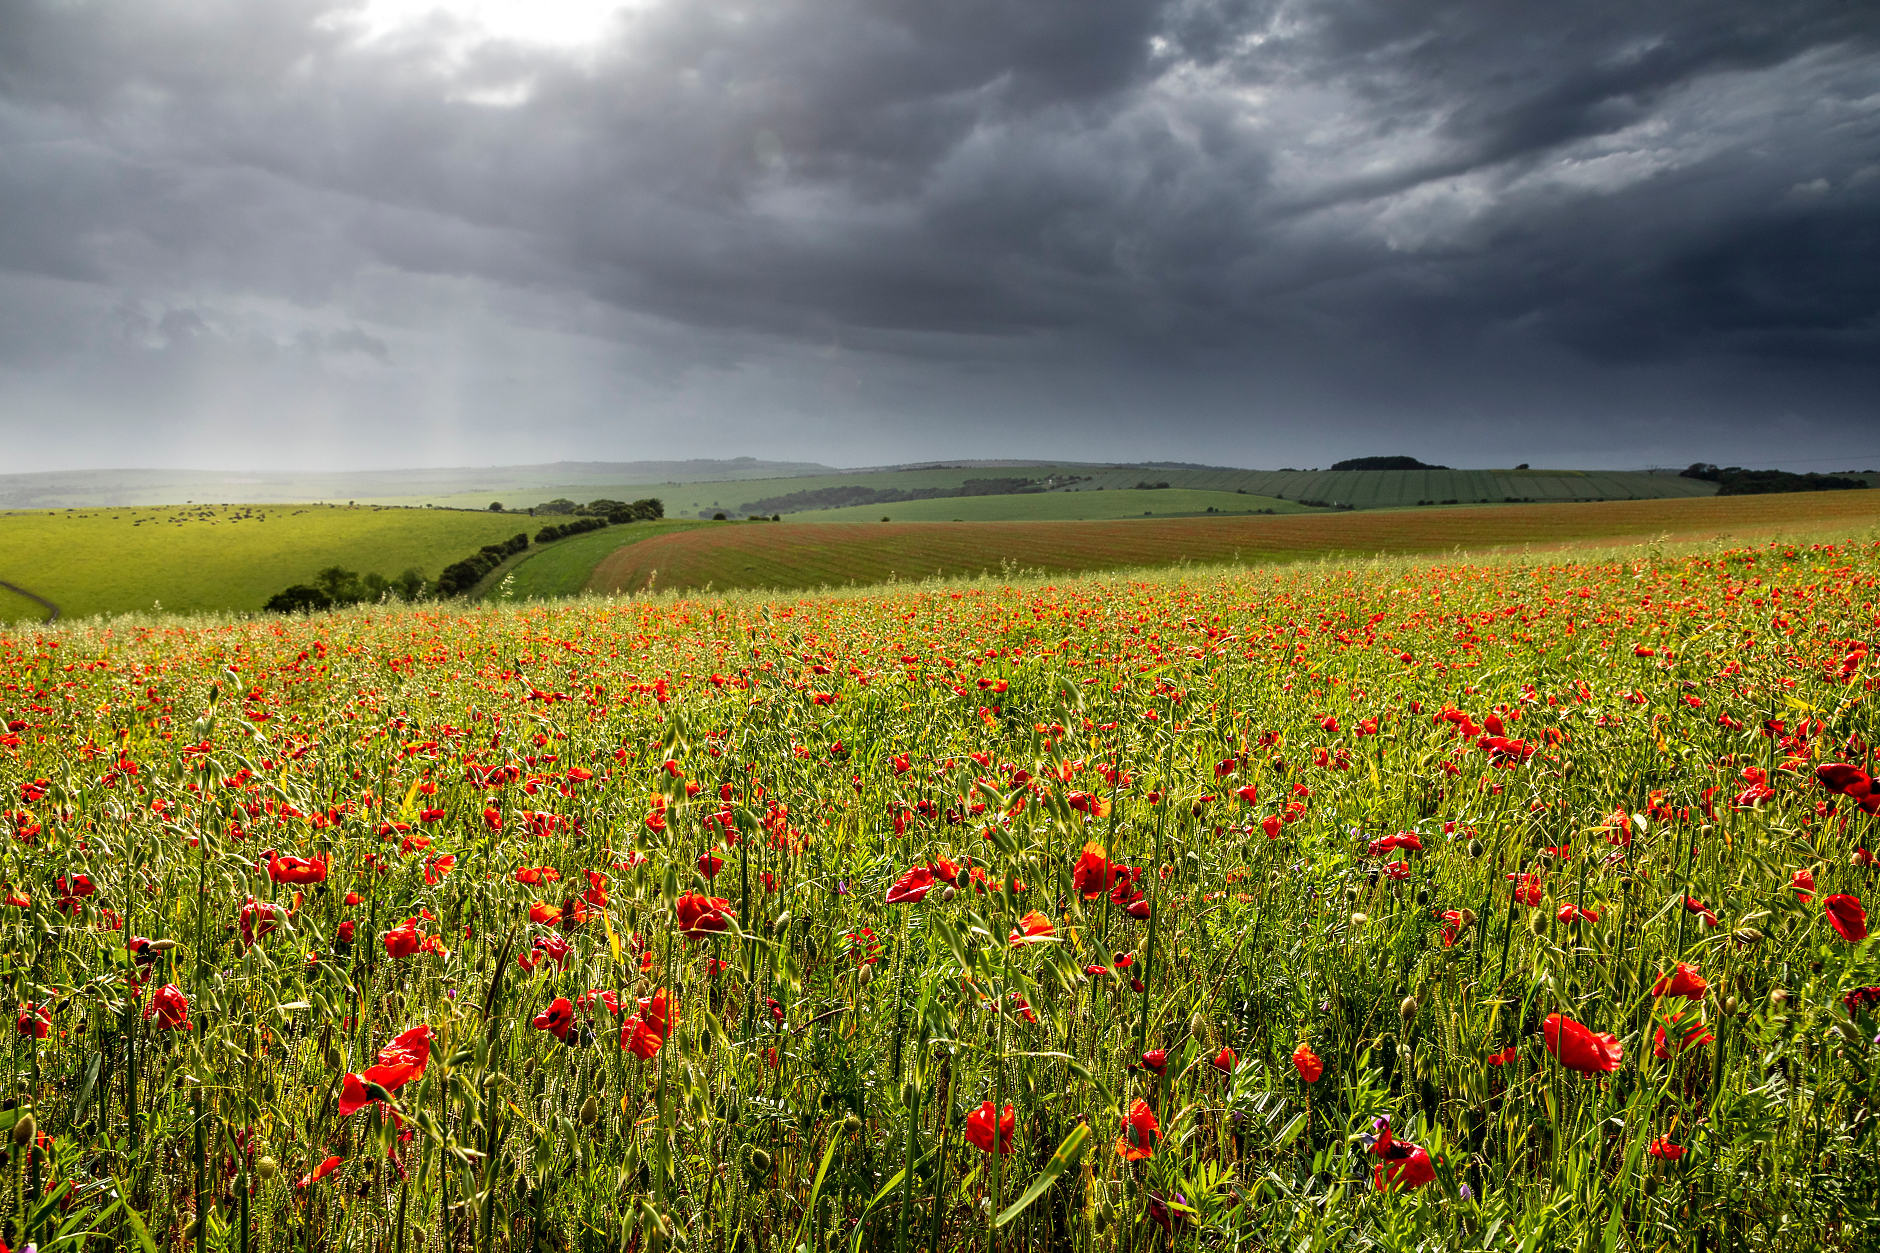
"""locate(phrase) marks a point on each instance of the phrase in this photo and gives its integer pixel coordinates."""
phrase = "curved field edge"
(808, 555)
(562, 567)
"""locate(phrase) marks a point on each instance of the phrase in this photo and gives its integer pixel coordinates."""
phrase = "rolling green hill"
(94, 561)
(1058, 506)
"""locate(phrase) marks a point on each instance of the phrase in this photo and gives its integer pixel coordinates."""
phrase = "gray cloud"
(865, 230)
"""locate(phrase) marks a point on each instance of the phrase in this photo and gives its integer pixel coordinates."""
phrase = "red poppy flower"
(1569, 912)
(1844, 780)
(1663, 1148)
(1579, 1048)
(1224, 1060)
(256, 919)
(1861, 998)
(1307, 1063)
(1406, 840)
(639, 1039)
(1527, 889)
(1156, 1061)
(321, 1171)
(1404, 1165)
(1094, 874)
(297, 870)
(1248, 793)
(1803, 881)
(912, 887)
(170, 1008)
(535, 876)
(1684, 981)
(1847, 918)
(404, 940)
(1032, 928)
(35, 1021)
(980, 1128)
(1683, 1034)
(403, 1059)
(558, 1018)
(552, 947)
(1140, 1132)
(1504, 1057)
(438, 867)
(699, 915)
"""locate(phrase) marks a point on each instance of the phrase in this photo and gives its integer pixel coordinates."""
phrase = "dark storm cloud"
(896, 228)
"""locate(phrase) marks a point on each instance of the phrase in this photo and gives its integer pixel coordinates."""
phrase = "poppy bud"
(590, 1112)
(25, 1129)
(1779, 996)
(867, 976)
(1408, 1010)
(333, 1060)
(760, 1164)
(1475, 848)
(1423, 896)
(1468, 917)
(1358, 920)
(266, 1169)
(850, 1123)
(1197, 1026)
(1729, 1005)
(949, 894)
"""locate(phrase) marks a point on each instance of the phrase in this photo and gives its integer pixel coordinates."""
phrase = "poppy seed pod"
(1475, 848)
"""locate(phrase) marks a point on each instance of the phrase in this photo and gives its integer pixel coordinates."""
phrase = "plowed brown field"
(797, 555)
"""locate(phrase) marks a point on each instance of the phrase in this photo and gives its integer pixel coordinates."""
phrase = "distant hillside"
(62, 489)
(746, 485)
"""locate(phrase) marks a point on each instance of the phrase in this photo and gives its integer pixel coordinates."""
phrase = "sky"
(340, 234)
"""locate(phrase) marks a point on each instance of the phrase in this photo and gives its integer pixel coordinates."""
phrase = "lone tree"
(1384, 463)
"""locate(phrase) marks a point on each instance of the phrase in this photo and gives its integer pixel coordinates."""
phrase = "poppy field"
(1515, 904)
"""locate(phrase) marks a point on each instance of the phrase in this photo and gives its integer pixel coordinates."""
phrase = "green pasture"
(206, 557)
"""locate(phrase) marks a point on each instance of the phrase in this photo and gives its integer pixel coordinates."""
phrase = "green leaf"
(136, 1221)
(1066, 1157)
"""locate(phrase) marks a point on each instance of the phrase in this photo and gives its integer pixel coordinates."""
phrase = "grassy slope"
(563, 567)
(1055, 506)
(804, 555)
(93, 561)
